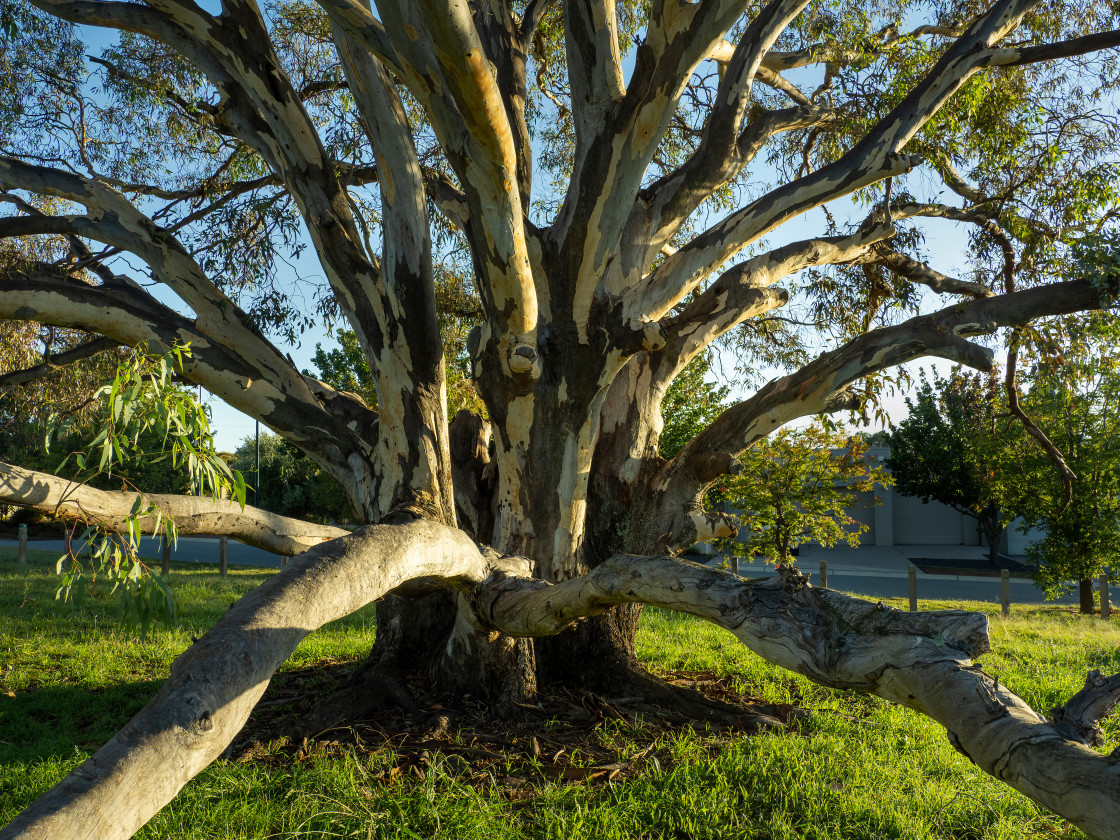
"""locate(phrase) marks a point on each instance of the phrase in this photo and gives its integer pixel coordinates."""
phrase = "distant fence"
(1004, 589)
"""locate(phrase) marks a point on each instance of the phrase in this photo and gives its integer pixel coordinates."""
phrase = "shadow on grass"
(54, 722)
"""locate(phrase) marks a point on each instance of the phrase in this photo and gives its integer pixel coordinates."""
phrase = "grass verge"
(857, 767)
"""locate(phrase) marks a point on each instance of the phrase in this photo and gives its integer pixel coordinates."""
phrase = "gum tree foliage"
(955, 447)
(798, 486)
(617, 183)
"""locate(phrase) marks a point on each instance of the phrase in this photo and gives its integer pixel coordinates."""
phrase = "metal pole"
(1005, 591)
(223, 555)
(913, 581)
(257, 483)
(23, 543)
(824, 575)
(1106, 607)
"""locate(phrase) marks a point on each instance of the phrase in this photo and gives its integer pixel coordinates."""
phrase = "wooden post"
(223, 555)
(1106, 607)
(23, 543)
(283, 560)
(824, 575)
(1005, 591)
(913, 575)
(734, 558)
(166, 556)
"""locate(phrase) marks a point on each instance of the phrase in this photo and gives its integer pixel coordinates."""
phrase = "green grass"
(857, 768)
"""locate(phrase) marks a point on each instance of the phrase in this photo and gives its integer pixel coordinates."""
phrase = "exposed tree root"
(469, 743)
(696, 705)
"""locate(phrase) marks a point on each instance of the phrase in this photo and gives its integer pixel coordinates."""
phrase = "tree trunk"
(436, 636)
(1085, 590)
(595, 654)
(990, 524)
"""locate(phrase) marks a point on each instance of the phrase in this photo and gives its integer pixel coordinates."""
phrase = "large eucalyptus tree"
(200, 145)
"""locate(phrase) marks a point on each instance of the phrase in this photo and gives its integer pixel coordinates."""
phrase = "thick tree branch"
(64, 499)
(411, 383)
(249, 384)
(501, 37)
(358, 21)
(813, 389)
(57, 361)
(216, 682)
(261, 107)
(919, 272)
(594, 64)
(1061, 49)
(609, 167)
(736, 295)
(668, 202)
(447, 69)
(918, 660)
(1079, 717)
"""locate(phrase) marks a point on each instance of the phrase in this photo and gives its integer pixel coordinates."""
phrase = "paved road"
(883, 572)
(188, 550)
(871, 571)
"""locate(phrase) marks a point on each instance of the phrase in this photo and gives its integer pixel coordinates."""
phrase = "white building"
(907, 520)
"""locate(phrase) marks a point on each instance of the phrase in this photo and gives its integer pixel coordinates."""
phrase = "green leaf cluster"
(955, 445)
(798, 486)
(147, 420)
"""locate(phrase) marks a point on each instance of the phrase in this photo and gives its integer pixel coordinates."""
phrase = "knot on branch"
(791, 577)
(524, 361)
(714, 525)
(1079, 718)
(709, 466)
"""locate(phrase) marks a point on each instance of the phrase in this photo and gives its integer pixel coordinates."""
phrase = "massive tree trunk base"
(921, 660)
(428, 637)
(597, 655)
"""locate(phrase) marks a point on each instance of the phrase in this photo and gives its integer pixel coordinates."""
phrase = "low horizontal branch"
(918, 660)
(216, 682)
(65, 499)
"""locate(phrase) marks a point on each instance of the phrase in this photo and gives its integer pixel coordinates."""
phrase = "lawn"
(855, 767)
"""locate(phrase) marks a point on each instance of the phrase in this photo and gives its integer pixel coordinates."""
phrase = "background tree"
(616, 183)
(1076, 403)
(691, 403)
(954, 448)
(291, 484)
(798, 486)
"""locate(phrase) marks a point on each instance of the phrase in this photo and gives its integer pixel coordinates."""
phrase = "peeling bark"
(587, 320)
